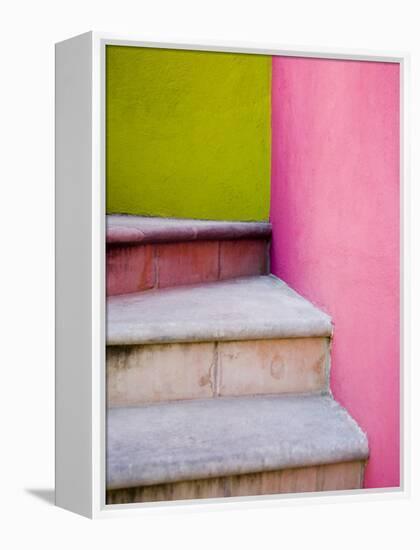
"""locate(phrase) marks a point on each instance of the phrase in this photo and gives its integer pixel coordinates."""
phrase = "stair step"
(145, 253)
(138, 229)
(168, 372)
(249, 308)
(201, 439)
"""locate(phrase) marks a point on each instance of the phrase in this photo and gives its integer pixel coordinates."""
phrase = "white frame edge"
(80, 274)
(73, 223)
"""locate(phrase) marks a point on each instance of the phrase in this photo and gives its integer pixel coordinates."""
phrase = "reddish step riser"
(143, 267)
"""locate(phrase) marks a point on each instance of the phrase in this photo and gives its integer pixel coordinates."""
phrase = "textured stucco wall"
(335, 216)
(188, 133)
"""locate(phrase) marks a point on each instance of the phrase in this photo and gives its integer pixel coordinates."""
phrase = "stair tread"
(239, 309)
(138, 229)
(198, 439)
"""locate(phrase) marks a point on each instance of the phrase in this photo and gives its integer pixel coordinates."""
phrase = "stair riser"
(134, 268)
(166, 372)
(326, 477)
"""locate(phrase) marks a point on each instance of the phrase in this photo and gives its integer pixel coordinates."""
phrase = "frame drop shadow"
(47, 495)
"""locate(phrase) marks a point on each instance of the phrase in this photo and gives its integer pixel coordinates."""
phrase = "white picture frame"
(80, 264)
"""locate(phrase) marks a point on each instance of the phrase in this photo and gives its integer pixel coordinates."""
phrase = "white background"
(28, 32)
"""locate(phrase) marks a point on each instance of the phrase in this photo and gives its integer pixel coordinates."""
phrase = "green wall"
(188, 133)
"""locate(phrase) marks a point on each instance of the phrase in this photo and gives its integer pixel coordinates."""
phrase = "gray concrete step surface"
(248, 308)
(201, 439)
(126, 229)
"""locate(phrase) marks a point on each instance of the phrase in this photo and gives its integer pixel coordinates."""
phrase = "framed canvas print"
(228, 243)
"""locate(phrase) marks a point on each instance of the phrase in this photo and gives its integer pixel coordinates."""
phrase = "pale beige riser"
(326, 477)
(166, 372)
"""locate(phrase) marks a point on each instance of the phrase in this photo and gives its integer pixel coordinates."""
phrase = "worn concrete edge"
(169, 333)
(127, 229)
(204, 337)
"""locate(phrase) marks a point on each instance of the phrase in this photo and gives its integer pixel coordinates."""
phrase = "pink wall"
(335, 216)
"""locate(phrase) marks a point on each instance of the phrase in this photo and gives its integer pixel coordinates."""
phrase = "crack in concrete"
(214, 371)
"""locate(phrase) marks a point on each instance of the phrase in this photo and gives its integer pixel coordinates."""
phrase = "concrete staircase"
(217, 371)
